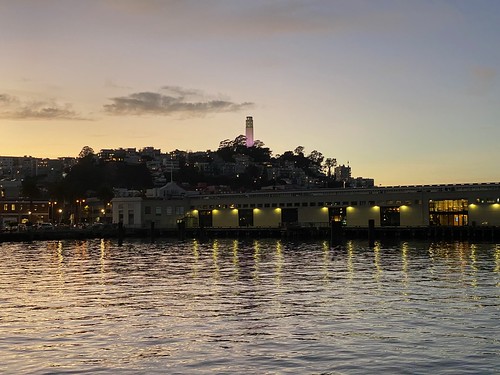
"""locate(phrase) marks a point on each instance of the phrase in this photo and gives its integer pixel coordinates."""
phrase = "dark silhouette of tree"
(329, 164)
(105, 193)
(299, 150)
(258, 144)
(86, 151)
(30, 189)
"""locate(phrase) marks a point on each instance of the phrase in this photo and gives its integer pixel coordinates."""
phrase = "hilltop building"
(343, 173)
(249, 131)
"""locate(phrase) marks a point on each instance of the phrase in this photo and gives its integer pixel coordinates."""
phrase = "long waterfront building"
(476, 204)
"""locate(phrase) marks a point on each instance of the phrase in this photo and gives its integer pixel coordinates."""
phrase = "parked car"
(45, 226)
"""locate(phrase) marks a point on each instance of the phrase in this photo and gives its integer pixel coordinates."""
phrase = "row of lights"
(324, 208)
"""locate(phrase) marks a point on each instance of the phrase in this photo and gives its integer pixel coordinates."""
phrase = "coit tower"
(249, 131)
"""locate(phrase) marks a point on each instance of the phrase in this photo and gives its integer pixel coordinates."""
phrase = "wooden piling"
(371, 233)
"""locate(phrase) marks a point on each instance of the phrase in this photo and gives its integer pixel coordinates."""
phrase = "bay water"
(266, 306)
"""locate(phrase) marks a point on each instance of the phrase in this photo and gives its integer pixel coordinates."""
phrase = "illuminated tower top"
(249, 131)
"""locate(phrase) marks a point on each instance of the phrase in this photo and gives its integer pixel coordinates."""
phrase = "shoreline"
(481, 233)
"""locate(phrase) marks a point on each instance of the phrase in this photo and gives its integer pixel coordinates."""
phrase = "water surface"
(263, 306)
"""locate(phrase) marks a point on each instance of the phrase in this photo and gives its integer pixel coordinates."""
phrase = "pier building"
(455, 205)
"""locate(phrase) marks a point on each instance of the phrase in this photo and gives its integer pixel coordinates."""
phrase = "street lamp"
(51, 212)
(78, 210)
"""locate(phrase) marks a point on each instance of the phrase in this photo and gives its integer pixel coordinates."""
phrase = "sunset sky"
(407, 92)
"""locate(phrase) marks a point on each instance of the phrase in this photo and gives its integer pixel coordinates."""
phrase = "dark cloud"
(175, 100)
(5, 98)
(13, 108)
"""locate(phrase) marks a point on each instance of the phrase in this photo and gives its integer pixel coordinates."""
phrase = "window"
(449, 212)
(389, 216)
(147, 210)
(179, 210)
(169, 210)
(131, 216)
(158, 211)
(336, 214)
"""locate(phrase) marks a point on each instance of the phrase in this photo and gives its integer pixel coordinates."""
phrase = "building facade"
(23, 211)
(402, 206)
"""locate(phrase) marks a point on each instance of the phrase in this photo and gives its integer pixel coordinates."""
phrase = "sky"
(406, 92)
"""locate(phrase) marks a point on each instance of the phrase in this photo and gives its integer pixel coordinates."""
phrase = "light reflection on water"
(262, 306)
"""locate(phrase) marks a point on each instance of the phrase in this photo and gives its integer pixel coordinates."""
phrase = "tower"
(249, 131)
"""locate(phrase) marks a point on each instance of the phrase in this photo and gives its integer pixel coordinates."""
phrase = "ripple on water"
(264, 306)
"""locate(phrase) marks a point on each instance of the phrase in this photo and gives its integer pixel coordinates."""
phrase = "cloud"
(13, 108)
(174, 100)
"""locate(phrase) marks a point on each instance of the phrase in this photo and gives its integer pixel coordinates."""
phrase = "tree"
(299, 150)
(29, 188)
(86, 151)
(258, 144)
(329, 164)
(105, 193)
(316, 157)
(226, 143)
(239, 142)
